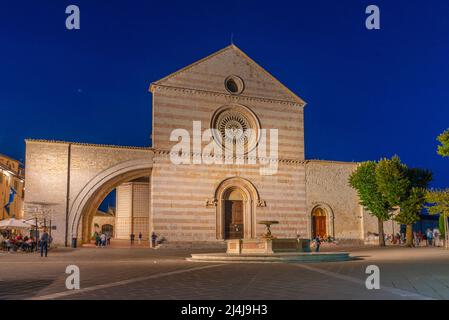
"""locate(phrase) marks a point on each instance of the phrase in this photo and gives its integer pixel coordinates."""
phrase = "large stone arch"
(95, 190)
(251, 202)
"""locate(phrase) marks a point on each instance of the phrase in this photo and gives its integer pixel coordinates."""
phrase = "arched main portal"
(236, 200)
(94, 192)
(233, 213)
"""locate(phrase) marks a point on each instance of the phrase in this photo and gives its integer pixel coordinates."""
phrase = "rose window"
(235, 126)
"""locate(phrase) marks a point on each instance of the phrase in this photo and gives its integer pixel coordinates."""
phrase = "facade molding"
(232, 98)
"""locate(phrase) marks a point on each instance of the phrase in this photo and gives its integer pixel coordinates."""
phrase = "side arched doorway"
(319, 223)
(322, 221)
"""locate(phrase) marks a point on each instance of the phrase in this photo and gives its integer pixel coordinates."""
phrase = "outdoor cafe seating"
(17, 236)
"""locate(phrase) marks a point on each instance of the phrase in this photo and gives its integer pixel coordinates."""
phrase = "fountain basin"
(284, 257)
(267, 246)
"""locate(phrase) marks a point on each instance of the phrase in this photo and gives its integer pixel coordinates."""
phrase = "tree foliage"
(389, 184)
(364, 181)
(443, 149)
(392, 180)
(438, 202)
(411, 207)
(403, 187)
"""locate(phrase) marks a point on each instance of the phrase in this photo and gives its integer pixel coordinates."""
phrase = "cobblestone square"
(142, 273)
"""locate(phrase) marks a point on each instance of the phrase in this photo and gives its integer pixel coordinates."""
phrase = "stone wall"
(327, 186)
(179, 195)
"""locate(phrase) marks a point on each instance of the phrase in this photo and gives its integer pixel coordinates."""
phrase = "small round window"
(234, 85)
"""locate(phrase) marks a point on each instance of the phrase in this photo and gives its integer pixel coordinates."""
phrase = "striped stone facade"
(179, 192)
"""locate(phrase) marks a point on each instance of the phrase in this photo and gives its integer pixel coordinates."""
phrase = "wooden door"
(233, 219)
(319, 226)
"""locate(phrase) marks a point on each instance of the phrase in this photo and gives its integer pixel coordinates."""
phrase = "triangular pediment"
(209, 74)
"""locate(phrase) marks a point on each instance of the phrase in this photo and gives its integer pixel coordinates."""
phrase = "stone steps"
(217, 245)
(271, 258)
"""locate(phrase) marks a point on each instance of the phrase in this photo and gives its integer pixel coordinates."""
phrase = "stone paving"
(142, 273)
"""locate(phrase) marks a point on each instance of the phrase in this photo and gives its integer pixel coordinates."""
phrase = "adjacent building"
(11, 188)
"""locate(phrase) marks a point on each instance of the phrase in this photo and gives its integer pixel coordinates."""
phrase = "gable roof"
(174, 79)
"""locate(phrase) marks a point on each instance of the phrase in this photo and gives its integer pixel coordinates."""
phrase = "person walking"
(153, 240)
(317, 243)
(44, 243)
(436, 237)
(429, 236)
(131, 237)
(103, 240)
(97, 239)
(140, 237)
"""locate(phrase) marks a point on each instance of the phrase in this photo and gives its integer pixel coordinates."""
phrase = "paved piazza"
(142, 273)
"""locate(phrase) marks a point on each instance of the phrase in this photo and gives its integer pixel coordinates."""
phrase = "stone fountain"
(269, 248)
(267, 243)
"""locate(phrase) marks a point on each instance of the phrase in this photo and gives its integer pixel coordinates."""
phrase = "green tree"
(438, 203)
(363, 180)
(443, 149)
(405, 188)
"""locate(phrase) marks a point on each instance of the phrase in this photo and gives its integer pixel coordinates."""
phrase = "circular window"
(235, 126)
(234, 85)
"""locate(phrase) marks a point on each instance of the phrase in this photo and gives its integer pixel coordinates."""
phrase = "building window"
(235, 125)
(234, 85)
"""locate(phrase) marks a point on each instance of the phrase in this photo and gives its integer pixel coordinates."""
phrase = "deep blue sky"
(370, 93)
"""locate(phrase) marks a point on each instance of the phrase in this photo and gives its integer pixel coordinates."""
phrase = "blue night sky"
(370, 94)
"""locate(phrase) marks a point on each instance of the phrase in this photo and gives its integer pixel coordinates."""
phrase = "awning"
(14, 224)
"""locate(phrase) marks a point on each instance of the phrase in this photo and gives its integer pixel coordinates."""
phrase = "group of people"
(101, 239)
(431, 238)
(132, 236)
(17, 242)
(317, 240)
(104, 239)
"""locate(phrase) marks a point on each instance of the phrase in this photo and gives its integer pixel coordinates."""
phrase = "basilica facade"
(202, 193)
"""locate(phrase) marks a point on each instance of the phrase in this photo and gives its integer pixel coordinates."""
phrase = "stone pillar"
(132, 209)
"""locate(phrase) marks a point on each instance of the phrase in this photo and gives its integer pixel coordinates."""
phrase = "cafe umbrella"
(13, 223)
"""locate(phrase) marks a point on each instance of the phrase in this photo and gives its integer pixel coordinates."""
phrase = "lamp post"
(37, 234)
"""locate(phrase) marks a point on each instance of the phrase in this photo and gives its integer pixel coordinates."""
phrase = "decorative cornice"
(257, 160)
(232, 98)
(13, 173)
(353, 163)
(88, 144)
